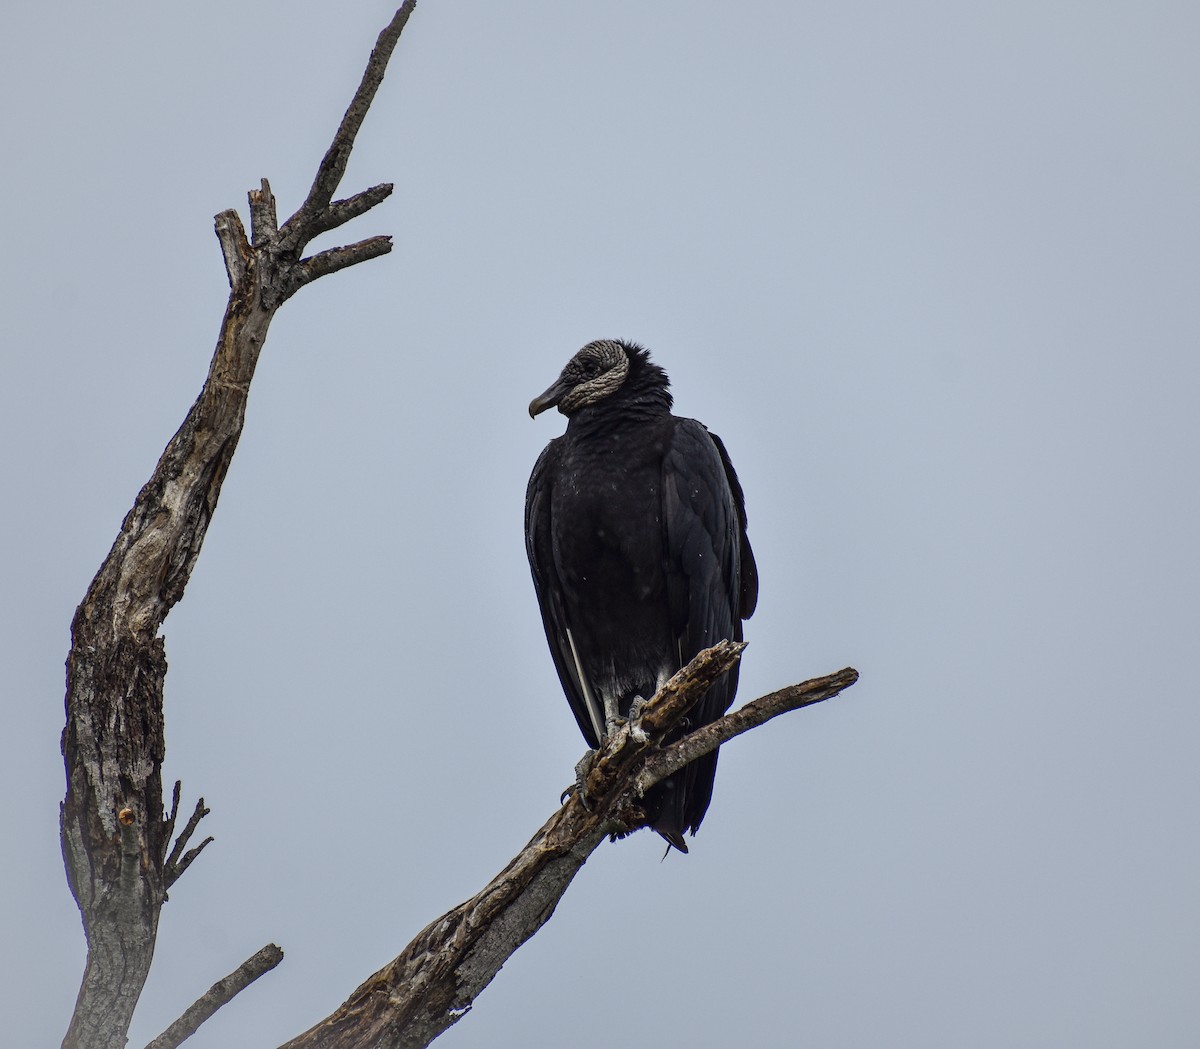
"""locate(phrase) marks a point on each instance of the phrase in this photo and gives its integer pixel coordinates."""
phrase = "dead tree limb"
(115, 839)
(217, 995)
(434, 981)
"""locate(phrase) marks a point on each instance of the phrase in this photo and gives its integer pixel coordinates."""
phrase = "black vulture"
(635, 526)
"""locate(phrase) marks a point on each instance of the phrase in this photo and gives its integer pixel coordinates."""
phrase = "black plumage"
(635, 526)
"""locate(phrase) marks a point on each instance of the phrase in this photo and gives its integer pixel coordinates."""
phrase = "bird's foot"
(614, 722)
(582, 769)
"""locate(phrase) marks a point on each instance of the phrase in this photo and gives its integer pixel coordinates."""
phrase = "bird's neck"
(607, 418)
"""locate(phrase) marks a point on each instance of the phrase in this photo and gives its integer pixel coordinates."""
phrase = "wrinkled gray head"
(595, 372)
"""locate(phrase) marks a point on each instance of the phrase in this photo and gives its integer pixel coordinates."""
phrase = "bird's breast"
(608, 532)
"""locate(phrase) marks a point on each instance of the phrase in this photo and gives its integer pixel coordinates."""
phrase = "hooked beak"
(549, 399)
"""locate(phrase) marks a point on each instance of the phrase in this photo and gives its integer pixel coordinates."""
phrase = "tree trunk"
(115, 838)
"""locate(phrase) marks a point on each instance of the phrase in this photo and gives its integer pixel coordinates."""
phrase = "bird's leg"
(612, 715)
(614, 719)
(638, 704)
(636, 732)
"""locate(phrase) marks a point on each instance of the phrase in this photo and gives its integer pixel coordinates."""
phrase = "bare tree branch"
(757, 712)
(176, 863)
(333, 164)
(115, 839)
(434, 981)
(324, 262)
(218, 995)
(342, 211)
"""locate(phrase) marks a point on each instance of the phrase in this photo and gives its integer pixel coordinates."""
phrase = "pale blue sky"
(930, 270)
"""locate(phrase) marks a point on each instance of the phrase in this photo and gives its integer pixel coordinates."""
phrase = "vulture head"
(598, 371)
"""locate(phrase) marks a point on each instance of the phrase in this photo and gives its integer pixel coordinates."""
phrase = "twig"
(342, 211)
(169, 822)
(173, 874)
(757, 712)
(326, 262)
(218, 995)
(174, 865)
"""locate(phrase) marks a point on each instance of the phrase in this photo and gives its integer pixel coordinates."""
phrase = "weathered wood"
(113, 744)
(179, 861)
(115, 838)
(218, 995)
(315, 212)
(434, 981)
(757, 712)
(264, 223)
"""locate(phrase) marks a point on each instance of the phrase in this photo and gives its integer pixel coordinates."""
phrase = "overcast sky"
(930, 270)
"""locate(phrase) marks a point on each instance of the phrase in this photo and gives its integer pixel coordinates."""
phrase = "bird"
(635, 528)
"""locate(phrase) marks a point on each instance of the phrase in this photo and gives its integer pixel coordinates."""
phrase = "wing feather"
(539, 546)
(712, 582)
